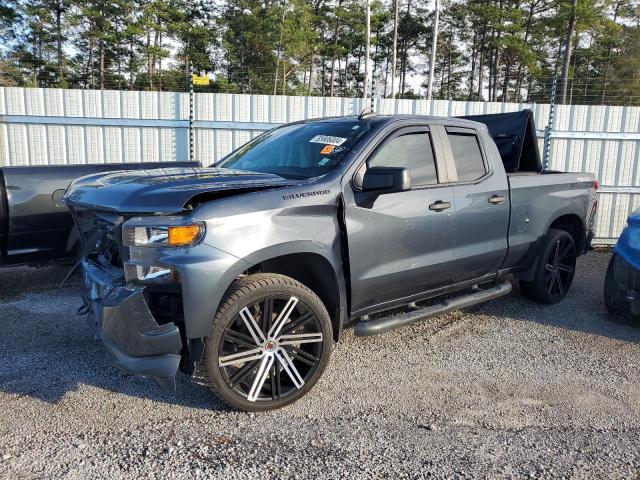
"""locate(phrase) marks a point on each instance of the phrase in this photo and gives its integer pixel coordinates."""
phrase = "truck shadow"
(49, 351)
(582, 310)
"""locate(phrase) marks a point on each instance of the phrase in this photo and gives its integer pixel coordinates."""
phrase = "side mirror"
(379, 180)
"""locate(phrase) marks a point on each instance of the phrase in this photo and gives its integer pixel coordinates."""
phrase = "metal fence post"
(191, 113)
(549, 127)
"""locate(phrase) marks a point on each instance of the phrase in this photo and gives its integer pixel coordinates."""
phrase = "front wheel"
(554, 270)
(271, 341)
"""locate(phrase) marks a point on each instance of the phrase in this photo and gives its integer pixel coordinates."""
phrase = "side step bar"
(382, 325)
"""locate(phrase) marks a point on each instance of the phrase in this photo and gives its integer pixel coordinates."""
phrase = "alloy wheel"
(271, 348)
(560, 268)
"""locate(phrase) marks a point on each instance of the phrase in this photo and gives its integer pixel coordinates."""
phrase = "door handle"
(439, 206)
(496, 199)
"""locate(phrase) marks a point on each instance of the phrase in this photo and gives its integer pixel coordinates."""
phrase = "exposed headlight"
(161, 232)
(150, 273)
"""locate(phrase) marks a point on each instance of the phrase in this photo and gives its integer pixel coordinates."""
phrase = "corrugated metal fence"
(56, 127)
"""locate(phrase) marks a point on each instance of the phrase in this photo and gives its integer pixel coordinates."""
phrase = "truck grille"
(101, 234)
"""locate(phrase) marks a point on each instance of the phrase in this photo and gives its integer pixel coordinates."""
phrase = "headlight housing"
(162, 232)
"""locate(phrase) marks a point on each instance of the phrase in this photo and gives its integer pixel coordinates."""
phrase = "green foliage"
(498, 50)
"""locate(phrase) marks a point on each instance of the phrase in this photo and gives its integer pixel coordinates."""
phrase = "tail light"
(596, 184)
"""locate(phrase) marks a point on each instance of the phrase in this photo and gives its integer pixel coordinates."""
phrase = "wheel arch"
(573, 225)
(316, 272)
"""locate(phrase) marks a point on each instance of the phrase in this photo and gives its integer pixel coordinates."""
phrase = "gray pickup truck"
(251, 268)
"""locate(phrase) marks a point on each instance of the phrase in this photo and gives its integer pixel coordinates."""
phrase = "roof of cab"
(380, 119)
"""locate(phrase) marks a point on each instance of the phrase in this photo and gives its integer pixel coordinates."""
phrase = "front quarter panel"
(255, 227)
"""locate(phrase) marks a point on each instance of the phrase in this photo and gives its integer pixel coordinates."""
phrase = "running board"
(382, 325)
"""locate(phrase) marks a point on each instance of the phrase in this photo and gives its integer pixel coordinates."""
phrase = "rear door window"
(412, 151)
(467, 156)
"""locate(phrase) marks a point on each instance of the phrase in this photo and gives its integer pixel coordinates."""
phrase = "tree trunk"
(481, 63)
(149, 64)
(507, 79)
(394, 58)
(90, 61)
(473, 65)
(527, 31)
(334, 52)
(567, 52)
(59, 9)
(131, 65)
(496, 60)
(275, 79)
(323, 75)
(101, 72)
(405, 49)
(159, 38)
(491, 72)
(312, 72)
(609, 51)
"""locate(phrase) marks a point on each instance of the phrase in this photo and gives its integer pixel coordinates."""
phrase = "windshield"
(298, 151)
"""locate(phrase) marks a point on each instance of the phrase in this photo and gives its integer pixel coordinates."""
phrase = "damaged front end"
(137, 322)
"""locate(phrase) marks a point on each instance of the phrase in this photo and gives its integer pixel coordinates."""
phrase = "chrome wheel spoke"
(289, 367)
(282, 318)
(565, 251)
(298, 338)
(565, 268)
(240, 357)
(261, 377)
(252, 326)
(551, 283)
(556, 255)
(559, 282)
(549, 275)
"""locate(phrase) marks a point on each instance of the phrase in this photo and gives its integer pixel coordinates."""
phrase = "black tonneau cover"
(515, 136)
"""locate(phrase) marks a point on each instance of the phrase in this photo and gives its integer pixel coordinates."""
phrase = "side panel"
(481, 223)
(537, 200)
(39, 226)
(397, 246)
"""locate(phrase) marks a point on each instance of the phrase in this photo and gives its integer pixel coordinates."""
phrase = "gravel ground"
(509, 389)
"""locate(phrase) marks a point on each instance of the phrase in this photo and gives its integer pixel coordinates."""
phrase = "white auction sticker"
(328, 140)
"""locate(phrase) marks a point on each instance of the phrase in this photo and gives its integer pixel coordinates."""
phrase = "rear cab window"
(467, 154)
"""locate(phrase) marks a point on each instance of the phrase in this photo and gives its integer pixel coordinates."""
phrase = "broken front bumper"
(126, 326)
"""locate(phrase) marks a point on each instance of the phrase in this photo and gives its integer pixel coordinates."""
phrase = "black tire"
(555, 269)
(615, 298)
(260, 302)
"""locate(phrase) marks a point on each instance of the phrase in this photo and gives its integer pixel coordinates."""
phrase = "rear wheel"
(271, 341)
(555, 269)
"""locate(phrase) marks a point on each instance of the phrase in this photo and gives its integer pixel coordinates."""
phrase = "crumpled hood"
(163, 190)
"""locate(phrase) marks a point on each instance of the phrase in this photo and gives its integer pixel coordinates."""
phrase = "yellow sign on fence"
(198, 80)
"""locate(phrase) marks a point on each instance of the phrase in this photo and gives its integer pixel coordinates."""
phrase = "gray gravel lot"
(506, 389)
